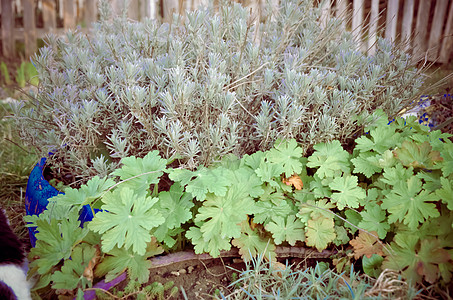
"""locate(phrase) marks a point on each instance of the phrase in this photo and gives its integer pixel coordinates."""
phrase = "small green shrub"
(205, 86)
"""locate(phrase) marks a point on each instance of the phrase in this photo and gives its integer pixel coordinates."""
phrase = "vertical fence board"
(406, 29)
(421, 30)
(90, 11)
(372, 31)
(392, 19)
(436, 29)
(169, 8)
(7, 28)
(357, 21)
(325, 13)
(49, 15)
(29, 28)
(133, 10)
(342, 12)
(69, 14)
(447, 42)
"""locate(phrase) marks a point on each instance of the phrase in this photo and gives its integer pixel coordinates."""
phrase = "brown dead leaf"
(278, 268)
(366, 244)
(88, 272)
(295, 181)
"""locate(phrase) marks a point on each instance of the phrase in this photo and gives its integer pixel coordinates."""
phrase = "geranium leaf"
(287, 154)
(366, 244)
(374, 219)
(446, 192)
(120, 260)
(140, 173)
(265, 210)
(379, 140)
(55, 241)
(126, 220)
(209, 180)
(417, 260)
(213, 245)
(320, 187)
(367, 163)
(330, 159)
(295, 181)
(176, 206)
(409, 203)
(412, 154)
(320, 232)
(219, 218)
(447, 155)
(346, 192)
(289, 229)
(268, 172)
(250, 244)
(315, 209)
(372, 265)
(71, 275)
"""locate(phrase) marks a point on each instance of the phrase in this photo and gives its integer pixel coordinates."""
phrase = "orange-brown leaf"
(88, 272)
(295, 181)
(366, 244)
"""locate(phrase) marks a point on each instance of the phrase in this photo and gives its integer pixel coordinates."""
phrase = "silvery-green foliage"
(207, 85)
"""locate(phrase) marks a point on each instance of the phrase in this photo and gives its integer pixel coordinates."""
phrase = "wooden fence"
(425, 26)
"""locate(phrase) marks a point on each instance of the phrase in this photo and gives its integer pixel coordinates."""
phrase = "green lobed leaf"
(251, 245)
(86, 194)
(410, 204)
(320, 233)
(372, 265)
(290, 229)
(71, 275)
(119, 260)
(265, 210)
(367, 163)
(140, 173)
(330, 159)
(213, 245)
(209, 180)
(312, 209)
(55, 241)
(412, 154)
(176, 206)
(374, 219)
(286, 154)
(379, 140)
(447, 155)
(446, 192)
(417, 261)
(127, 220)
(346, 192)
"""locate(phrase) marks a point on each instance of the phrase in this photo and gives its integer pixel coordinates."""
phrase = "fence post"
(372, 31)
(49, 15)
(447, 43)
(69, 14)
(421, 30)
(169, 7)
(357, 22)
(392, 20)
(29, 28)
(90, 12)
(8, 43)
(406, 30)
(436, 29)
